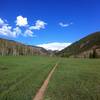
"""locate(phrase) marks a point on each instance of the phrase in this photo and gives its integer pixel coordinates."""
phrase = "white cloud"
(20, 29)
(54, 46)
(38, 25)
(16, 31)
(7, 30)
(21, 21)
(1, 22)
(65, 25)
(28, 33)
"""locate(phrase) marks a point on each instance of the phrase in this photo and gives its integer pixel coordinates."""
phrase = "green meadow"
(73, 79)
(21, 77)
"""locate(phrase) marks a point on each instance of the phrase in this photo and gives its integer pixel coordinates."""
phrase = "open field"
(21, 77)
(75, 79)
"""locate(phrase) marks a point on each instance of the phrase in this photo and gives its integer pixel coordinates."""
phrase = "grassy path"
(41, 92)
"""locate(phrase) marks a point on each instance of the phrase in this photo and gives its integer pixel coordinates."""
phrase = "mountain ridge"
(11, 47)
(83, 48)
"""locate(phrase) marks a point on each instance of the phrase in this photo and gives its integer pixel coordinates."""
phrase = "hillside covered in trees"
(87, 47)
(10, 47)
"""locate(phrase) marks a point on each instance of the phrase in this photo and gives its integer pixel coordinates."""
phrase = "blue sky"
(48, 22)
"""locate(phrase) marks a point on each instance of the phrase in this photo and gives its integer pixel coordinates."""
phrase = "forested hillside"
(9, 47)
(87, 47)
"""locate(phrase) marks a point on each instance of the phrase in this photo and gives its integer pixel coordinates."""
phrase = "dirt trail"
(40, 94)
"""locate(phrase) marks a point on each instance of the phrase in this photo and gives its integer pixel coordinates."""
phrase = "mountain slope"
(88, 46)
(10, 47)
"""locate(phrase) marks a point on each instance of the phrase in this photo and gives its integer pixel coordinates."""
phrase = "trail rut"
(40, 94)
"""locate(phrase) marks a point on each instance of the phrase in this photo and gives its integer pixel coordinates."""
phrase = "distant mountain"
(87, 47)
(10, 47)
